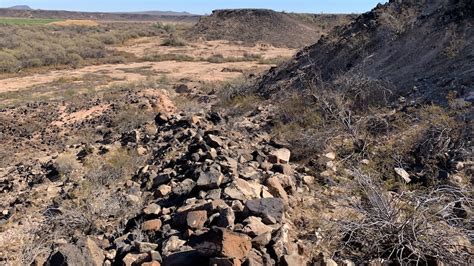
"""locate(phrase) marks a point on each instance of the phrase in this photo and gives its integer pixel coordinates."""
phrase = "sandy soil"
(149, 45)
(194, 71)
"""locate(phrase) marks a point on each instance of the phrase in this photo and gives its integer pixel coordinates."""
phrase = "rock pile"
(213, 197)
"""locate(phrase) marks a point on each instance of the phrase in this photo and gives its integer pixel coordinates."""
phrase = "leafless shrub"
(237, 88)
(393, 23)
(67, 221)
(173, 41)
(363, 91)
(66, 164)
(408, 228)
(114, 166)
(38, 243)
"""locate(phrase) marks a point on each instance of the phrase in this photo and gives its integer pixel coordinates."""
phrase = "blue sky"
(199, 6)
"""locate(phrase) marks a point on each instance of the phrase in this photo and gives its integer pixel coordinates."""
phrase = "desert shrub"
(219, 58)
(234, 89)
(252, 57)
(173, 41)
(8, 63)
(74, 60)
(216, 59)
(168, 57)
(48, 45)
(66, 164)
(116, 165)
(363, 91)
(408, 228)
(168, 28)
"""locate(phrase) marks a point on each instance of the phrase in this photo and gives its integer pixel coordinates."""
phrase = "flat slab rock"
(273, 207)
(221, 242)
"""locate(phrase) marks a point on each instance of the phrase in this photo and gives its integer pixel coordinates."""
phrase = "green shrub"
(8, 63)
(45, 45)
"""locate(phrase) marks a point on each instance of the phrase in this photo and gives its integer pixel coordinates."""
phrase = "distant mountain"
(160, 13)
(21, 7)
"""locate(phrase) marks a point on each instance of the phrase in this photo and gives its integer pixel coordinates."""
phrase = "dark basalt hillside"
(251, 26)
(423, 48)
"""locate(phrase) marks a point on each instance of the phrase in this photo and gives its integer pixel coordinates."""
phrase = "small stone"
(276, 189)
(327, 173)
(214, 194)
(266, 166)
(183, 188)
(214, 141)
(273, 207)
(249, 173)
(152, 209)
(163, 190)
(155, 255)
(161, 119)
(255, 227)
(94, 253)
(226, 218)
(308, 180)
(144, 247)
(196, 219)
(403, 174)
(210, 179)
(134, 259)
(285, 169)
(293, 260)
(262, 240)
(152, 225)
(240, 189)
(279, 156)
(152, 263)
(222, 242)
(172, 244)
(185, 258)
(224, 262)
(237, 206)
(331, 156)
(212, 154)
(110, 254)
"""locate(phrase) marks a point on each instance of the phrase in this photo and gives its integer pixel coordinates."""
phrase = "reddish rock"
(224, 262)
(152, 225)
(223, 243)
(276, 189)
(280, 156)
(153, 263)
(196, 219)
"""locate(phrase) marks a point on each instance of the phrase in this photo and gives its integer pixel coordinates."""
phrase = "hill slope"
(422, 49)
(260, 25)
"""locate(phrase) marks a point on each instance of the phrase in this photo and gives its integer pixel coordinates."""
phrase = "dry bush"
(66, 164)
(168, 28)
(47, 45)
(363, 92)
(234, 89)
(130, 117)
(219, 58)
(408, 228)
(168, 57)
(116, 165)
(8, 63)
(173, 41)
